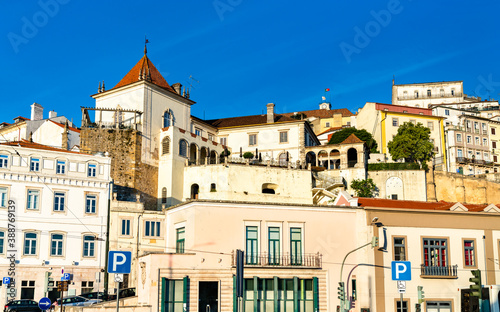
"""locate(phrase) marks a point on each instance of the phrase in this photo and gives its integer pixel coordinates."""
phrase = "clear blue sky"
(245, 53)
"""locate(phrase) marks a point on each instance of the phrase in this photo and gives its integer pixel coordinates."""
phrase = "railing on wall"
(446, 271)
(265, 259)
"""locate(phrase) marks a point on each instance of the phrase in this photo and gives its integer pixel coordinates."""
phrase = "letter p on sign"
(119, 262)
(401, 270)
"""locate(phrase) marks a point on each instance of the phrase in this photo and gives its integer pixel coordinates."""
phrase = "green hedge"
(393, 166)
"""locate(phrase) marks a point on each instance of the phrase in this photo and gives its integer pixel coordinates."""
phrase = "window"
(493, 130)
(441, 92)
(165, 146)
(405, 306)
(459, 137)
(125, 227)
(274, 245)
(56, 245)
(88, 245)
(469, 253)
(348, 124)
(252, 248)
(35, 164)
(167, 117)
(460, 153)
(495, 158)
(485, 141)
(183, 148)
(469, 139)
(413, 121)
(33, 199)
(447, 112)
(2, 242)
(213, 187)
(395, 122)
(252, 139)
(223, 141)
(59, 201)
(399, 248)
(477, 141)
(429, 93)
(3, 196)
(29, 244)
(284, 137)
(90, 203)
(173, 295)
(210, 137)
(296, 246)
(327, 124)
(416, 94)
(180, 240)
(435, 253)
(438, 306)
(91, 171)
(430, 125)
(453, 92)
(152, 229)
(28, 290)
(87, 286)
(60, 167)
(405, 95)
(164, 195)
(4, 161)
(197, 132)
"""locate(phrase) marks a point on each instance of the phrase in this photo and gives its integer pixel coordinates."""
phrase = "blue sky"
(245, 53)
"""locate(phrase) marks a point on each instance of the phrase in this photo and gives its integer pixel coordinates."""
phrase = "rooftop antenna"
(190, 82)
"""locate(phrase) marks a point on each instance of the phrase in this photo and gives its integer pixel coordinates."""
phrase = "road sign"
(66, 277)
(62, 285)
(119, 278)
(401, 270)
(44, 303)
(6, 280)
(119, 262)
(401, 287)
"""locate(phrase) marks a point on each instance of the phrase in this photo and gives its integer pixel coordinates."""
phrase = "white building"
(56, 203)
(424, 94)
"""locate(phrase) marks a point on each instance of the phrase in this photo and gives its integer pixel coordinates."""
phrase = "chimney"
(52, 114)
(177, 87)
(65, 137)
(36, 111)
(270, 113)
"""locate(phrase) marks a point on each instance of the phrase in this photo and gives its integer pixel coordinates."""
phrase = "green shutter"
(295, 294)
(315, 294)
(185, 293)
(276, 294)
(164, 292)
(235, 299)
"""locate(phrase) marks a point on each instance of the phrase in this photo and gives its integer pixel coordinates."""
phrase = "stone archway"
(352, 157)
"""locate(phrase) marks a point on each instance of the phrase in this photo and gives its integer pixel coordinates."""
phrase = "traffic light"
(374, 241)
(417, 307)
(341, 291)
(476, 287)
(421, 294)
(49, 282)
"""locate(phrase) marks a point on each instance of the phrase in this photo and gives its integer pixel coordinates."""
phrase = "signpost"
(119, 263)
(44, 303)
(401, 272)
(6, 280)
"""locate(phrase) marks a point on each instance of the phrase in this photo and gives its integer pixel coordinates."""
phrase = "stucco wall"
(413, 183)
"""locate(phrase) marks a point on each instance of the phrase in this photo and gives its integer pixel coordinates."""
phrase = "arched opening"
(165, 146)
(193, 153)
(269, 188)
(213, 157)
(283, 159)
(394, 188)
(334, 159)
(213, 187)
(323, 159)
(203, 155)
(352, 157)
(164, 195)
(167, 119)
(195, 190)
(183, 148)
(311, 158)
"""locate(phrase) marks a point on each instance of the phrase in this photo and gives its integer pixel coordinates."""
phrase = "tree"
(248, 155)
(412, 143)
(362, 134)
(364, 188)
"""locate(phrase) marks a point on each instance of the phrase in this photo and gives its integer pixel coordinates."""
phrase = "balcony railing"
(281, 260)
(444, 271)
(426, 96)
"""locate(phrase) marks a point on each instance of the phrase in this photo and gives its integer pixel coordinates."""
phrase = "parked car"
(75, 301)
(22, 305)
(93, 295)
(124, 293)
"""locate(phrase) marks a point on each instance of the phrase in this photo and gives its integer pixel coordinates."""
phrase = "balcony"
(426, 96)
(285, 260)
(462, 160)
(448, 271)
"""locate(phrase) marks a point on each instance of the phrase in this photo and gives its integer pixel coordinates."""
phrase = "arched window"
(195, 189)
(213, 187)
(283, 159)
(167, 119)
(164, 195)
(269, 188)
(183, 148)
(165, 146)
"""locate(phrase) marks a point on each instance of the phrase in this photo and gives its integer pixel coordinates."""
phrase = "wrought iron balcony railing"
(281, 260)
(440, 271)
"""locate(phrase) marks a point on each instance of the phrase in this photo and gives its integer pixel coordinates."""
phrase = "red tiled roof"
(404, 109)
(28, 144)
(323, 113)
(21, 118)
(352, 139)
(246, 121)
(331, 129)
(409, 204)
(62, 125)
(144, 67)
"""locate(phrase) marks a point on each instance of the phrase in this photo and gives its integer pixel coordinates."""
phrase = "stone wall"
(130, 175)
(406, 184)
(454, 187)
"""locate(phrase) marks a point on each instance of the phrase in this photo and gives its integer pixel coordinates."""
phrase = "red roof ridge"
(62, 125)
(352, 139)
(28, 144)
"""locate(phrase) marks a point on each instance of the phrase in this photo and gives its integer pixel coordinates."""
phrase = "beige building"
(425, 94)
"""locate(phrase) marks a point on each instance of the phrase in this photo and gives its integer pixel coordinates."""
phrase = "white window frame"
(32, 244)
(252, 139)
(90, 199)
(90, 245)
(33, 199)
(447, 112)
(4, 161)
(59, 245)
(459, 137)
(4, 194)
(59, 201)
(60, 167)
(283, 136)
(35, 164)
(91, 170)
(125, 227)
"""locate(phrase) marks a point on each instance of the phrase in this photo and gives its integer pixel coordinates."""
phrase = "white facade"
(57, 203)
(425, 94)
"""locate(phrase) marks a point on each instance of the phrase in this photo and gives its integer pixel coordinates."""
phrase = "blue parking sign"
(119, 262)
(6, 280)
(401, 270)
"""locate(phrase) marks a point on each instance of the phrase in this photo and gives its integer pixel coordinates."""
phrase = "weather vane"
(146, 41)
